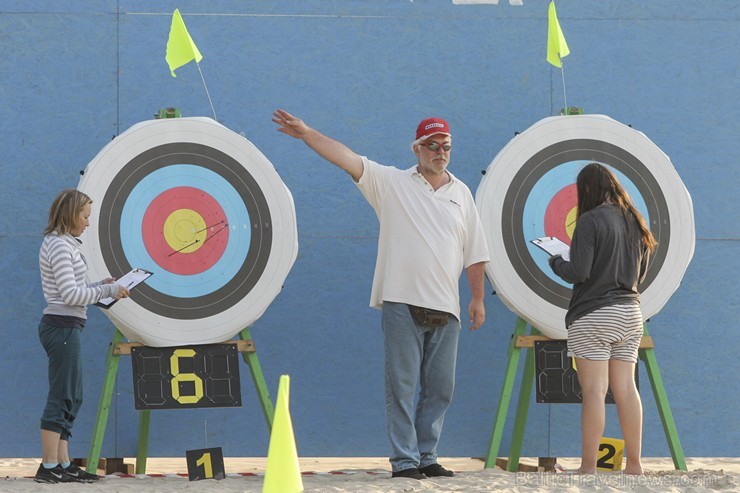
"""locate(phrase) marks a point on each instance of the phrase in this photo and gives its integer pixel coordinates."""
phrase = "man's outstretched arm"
(333, 151)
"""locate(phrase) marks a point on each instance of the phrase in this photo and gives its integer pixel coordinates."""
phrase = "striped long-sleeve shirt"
(63, 270)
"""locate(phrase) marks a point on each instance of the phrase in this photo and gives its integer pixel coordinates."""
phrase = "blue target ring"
(186, 286)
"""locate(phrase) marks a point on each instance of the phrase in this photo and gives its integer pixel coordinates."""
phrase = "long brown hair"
(64, 212)
(596, 185)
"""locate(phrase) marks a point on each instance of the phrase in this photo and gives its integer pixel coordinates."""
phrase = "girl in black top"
(608, 259)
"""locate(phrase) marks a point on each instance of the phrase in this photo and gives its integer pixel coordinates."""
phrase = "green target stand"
(118, 348)
(529, 191)
(521, 340)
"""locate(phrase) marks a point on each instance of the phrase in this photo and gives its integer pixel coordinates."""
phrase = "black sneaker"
(411, 473)
(54, 475)
(79, 475)
(435, 470)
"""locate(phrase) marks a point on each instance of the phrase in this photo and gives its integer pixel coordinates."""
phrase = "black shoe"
(54, 475)
(79, 475)
(435, 470)
(412, 473)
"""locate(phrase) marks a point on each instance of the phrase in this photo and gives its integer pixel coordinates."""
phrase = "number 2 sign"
(611, 452)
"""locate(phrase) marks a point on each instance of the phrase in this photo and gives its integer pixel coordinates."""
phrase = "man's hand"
(477, 312)
(290, 125)
(476, 309)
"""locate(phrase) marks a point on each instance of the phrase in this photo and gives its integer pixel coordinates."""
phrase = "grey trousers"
(62, 346)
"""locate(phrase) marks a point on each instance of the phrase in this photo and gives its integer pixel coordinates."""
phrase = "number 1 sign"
(207, 463)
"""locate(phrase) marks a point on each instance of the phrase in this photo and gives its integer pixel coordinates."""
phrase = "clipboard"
(553, 246)
(128, 281)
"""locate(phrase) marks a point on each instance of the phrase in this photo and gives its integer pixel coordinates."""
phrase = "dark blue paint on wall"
(76, 73)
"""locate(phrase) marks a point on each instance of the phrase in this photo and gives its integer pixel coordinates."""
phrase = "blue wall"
(76, 73)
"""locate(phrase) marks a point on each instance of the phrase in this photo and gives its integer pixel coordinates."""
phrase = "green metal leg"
(111, 369)
(661, 399)
(259, 380)
(522, 410)
(503, 402)
(646, 355)
(143, 447)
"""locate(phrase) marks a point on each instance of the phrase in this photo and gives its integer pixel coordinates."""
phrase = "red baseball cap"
(431, 126)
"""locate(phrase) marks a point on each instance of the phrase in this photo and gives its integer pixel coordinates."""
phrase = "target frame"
(230, 292)
(520, 280)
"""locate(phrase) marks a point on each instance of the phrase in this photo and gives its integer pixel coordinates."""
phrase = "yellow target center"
(570, 221)
(185, 230)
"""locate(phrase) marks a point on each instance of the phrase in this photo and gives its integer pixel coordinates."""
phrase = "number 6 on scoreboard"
(178, 377)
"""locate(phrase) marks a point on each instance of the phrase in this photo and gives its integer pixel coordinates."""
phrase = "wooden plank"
(528, 341)
(504, 464)
(647, 343)
(124, 348)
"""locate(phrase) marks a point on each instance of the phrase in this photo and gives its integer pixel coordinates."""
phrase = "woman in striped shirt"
(67, 295)
(609, 256)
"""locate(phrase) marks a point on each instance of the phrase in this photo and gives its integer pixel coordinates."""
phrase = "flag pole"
(206, 88)
(565, 98)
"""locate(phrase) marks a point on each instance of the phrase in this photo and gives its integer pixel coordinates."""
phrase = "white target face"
(528, 191)
(204, 210)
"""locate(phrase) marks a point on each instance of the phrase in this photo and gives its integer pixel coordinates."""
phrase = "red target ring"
(185, 230)
(560, 214)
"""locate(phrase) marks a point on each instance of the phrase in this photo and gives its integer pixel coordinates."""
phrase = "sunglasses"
(434, 147)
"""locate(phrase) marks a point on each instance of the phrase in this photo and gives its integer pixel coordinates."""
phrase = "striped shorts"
(610, 332)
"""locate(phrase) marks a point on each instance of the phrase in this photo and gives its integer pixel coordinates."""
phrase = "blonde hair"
(64, 213)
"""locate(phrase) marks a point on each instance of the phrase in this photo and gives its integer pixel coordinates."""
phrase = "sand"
(372, 475)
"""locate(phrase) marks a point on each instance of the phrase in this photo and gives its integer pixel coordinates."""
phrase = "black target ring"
(239, 177)
(211, 279)
(552, 156)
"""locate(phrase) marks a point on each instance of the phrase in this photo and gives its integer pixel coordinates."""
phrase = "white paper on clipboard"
(128, 281)
(553, 246)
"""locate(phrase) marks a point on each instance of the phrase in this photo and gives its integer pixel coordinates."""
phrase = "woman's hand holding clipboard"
(128, 281)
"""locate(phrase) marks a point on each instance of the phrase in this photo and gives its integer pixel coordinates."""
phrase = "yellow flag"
(180, 47)
(283, 473)
(557, 48)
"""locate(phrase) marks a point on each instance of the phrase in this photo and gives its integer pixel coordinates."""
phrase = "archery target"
(528, 191)
(204, 210)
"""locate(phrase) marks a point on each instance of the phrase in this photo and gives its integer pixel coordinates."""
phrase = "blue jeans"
(416, 355)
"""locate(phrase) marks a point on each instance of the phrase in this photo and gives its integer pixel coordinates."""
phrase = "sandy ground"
(372, 475)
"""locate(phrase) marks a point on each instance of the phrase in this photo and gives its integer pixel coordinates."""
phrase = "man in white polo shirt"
(429, 233)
